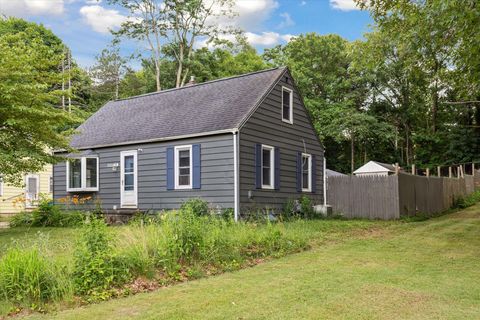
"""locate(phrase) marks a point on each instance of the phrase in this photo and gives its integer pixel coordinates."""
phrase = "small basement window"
(183, 167)
(267, 167)
(306, 172)
(287, 105)
(82, 174)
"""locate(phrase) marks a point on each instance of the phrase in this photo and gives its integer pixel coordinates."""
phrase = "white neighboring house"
(330, 173)
(374, 168)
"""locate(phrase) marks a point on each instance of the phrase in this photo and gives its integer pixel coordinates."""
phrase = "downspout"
(324, 180)
(235, 175)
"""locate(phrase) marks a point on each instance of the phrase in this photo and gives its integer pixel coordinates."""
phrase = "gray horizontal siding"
(265, 126)
(217, 185)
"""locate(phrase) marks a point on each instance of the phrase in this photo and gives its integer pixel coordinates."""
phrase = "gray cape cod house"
(244, 142)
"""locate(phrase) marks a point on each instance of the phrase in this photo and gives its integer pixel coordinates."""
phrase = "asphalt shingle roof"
(210, 106)
(389, 167)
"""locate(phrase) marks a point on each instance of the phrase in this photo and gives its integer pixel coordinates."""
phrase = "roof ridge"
(198, 84)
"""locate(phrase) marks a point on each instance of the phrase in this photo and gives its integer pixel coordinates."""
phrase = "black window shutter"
(314, 174)
(277, 168)
(196, 166)
(299, 172)
(258, 166)
(170, 169)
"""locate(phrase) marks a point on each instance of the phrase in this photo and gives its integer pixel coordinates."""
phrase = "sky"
(84, 25)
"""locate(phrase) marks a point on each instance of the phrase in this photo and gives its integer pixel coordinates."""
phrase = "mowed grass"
(414, 270)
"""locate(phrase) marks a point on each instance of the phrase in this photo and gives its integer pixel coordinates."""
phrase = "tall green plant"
(97, 270)
(26, 277)
(31, 123)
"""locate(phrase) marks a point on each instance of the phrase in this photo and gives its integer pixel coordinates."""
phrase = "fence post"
(428, 172)
(458, 171)
(397, 169)
(461, 171)
(473, 169)
(413, 169)
(439, 171)
(449, 172)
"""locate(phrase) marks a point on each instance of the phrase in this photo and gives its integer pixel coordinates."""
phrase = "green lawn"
(415, 270)
(59, 241)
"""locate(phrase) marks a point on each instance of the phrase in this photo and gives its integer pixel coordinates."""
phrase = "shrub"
(22, 219)
(306, 207)
(196, 205)
(291, 209)
(228, 214)
(184, 233)
(47, 215)
(468, 201)
(27, 277)
(97, 270)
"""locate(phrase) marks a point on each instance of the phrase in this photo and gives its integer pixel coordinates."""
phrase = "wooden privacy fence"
(390, 197)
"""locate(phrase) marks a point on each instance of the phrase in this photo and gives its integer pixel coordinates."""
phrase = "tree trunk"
(435, 97)
(157, 75)
(352, 152)
(117, 83)
(178, 82)
(434, 109)
(407, 145)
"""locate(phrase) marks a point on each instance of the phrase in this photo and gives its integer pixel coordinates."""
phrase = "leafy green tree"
(144, 23)
(433, 44)
(188, 21)
(31, 125)
(205, 65)
(107, 73)
(335, 95)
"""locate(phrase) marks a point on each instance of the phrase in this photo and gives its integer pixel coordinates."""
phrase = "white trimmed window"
(183, 167)
(32, 189)
(50, 184)
(287, 105)
(306, 172)
(268, 166)
(82, 174)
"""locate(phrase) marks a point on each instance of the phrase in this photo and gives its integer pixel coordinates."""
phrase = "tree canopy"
(31, 124)
(408, 92)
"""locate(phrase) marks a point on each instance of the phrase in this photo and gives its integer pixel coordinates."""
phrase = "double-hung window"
(306, 172)
(268, 167)
(82, 174)
(32, 186)
(287, 105)
(183, 167)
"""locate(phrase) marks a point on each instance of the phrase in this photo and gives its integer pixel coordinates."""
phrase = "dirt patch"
(372, 233)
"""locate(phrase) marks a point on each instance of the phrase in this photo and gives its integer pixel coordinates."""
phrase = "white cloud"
(93, 1)
(303, 3)
(287, 21)
(344, 5)
(100, 19)
(267, 39)
(263, 39)
(23, 8)
(250, 14)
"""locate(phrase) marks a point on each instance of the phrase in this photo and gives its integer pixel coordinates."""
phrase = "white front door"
(128, 179)
(32, 186)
